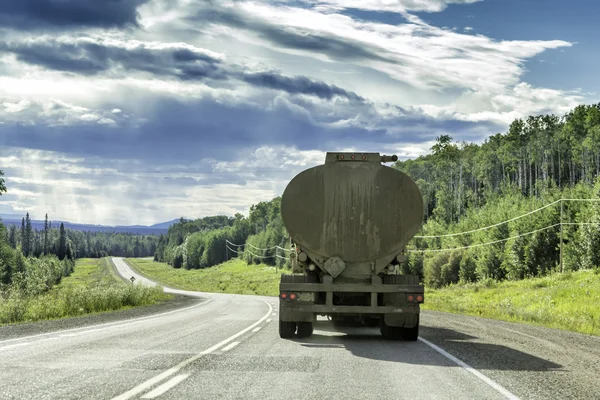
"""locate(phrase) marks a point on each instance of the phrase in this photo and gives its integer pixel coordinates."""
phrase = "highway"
(219, 346)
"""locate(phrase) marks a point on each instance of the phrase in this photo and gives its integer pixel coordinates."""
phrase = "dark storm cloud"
(90, 57)
(299, 84)
(30, 15)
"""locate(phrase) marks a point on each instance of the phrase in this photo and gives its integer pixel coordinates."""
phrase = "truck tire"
(391, 332)
(287, 329)
(411, 334)
(305, 329)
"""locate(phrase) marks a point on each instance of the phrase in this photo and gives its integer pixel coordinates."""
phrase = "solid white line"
(116, 324)
(472, 370)
(151, 382)
(256, 329)
(230, 346)
(165, 387)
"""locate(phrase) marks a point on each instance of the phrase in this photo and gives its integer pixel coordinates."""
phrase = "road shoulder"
(34, 328)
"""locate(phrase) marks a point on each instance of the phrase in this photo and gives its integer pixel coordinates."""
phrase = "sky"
(142, 111)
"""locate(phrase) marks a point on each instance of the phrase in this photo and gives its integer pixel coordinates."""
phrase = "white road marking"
(274, 314)
(256, 329)
(108, 325)
(269, 320)
(230, 346)
(151, 382)
(171, 383)
(472, 370)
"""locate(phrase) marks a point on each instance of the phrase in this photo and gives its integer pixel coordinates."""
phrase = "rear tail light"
(284, 295)
(288, 296)
(293, 296)
(415, 298)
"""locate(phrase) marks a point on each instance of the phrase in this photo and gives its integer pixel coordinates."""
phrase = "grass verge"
(568, 301)
(92, 287)
(233, 276)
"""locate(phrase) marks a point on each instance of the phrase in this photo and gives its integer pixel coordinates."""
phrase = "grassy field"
(234, 276)
(92, 287)
(566, 301)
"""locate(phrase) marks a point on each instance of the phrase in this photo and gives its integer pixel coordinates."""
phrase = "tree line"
(72, 244)
(202, 243)
(467, 186)
(536, 154)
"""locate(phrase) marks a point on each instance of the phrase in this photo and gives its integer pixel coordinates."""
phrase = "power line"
(503, 222)
(482, 244)
(501, 240)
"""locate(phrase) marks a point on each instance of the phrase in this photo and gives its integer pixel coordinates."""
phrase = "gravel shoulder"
(532, 362)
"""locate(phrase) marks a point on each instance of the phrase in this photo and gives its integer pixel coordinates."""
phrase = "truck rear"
(349, 221)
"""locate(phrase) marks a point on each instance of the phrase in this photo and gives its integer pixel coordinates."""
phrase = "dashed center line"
(171, 383)
(269, 320)
(230, 346)
(171, 371)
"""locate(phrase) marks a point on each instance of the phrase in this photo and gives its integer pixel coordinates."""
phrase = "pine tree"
(23, 236)
(12, 236)
(2, 185)
(46, 229)
(62, 242)
(28, 237)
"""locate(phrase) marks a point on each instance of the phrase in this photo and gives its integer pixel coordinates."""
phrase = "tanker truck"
(349, 221)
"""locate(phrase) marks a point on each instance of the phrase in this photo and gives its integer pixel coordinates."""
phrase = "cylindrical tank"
(354, 208)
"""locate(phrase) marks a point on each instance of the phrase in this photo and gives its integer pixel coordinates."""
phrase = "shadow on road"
(368, 343)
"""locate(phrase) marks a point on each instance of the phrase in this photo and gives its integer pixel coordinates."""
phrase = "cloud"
(204, 108)
(415, 53)
(399, 6)
(92, 56)
(28, 15)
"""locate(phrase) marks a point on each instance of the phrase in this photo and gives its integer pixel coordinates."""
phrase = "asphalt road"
(227, 347)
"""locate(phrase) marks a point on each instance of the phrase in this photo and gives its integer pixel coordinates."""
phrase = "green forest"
(33, 261)
(465, 186)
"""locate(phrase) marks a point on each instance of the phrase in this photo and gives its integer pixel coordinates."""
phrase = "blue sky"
(140, 111)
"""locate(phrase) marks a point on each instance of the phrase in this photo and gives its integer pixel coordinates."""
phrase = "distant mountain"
(156, 229)
(165, 225)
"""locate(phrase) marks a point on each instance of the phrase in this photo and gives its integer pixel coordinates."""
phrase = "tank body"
(358, 210)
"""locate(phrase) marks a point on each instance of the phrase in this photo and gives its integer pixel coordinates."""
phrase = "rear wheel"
(305, 329)
(411, 334)
(391, 332)
(287, 329)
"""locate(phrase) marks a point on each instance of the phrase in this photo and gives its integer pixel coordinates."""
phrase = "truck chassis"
(391, 302)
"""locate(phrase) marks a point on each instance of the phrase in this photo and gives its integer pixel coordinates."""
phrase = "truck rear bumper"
(394, 297)
(288, 306)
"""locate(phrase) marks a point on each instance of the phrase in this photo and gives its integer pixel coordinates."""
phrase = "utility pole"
(561, 235)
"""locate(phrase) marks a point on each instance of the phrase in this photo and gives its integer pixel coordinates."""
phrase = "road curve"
(227, 347)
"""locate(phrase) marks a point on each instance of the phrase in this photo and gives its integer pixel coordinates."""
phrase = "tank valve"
(393, 158)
